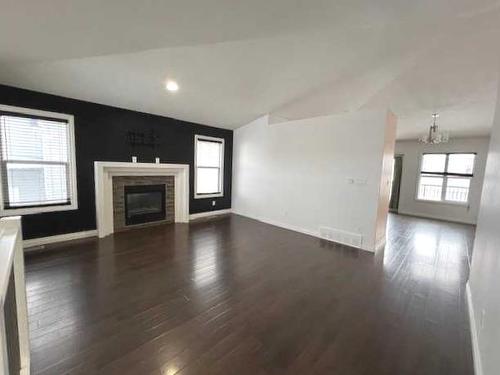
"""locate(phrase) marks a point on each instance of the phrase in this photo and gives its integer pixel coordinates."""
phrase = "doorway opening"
(396, 183)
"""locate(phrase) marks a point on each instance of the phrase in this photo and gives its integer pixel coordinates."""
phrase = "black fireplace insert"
(144, 203)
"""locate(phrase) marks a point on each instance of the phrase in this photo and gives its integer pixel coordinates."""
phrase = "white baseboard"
(434, 217)
(478, 369)
(209, 213)
(93, 233)
(281, 225)
(293, 228)
(58, 238)
(380, 244)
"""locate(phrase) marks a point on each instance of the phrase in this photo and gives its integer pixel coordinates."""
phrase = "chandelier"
(434, 136)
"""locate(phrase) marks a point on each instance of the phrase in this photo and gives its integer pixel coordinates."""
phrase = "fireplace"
(111, 179)
(144, 203)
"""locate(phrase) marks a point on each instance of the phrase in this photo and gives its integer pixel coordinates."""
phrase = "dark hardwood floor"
(235, 296)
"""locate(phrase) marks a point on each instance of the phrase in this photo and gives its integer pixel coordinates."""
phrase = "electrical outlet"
(361, 181)
(213, 203)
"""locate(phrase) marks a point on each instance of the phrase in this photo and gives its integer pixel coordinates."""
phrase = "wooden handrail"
(14, 334)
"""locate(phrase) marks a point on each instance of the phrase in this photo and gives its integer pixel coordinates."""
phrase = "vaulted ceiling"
(236, 59)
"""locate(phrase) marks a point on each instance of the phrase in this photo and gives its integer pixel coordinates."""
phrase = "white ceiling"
(237, 59)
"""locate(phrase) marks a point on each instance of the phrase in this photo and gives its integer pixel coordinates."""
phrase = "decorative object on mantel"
(134, 159)
(141, 139)
(434, 136)
(157, 160)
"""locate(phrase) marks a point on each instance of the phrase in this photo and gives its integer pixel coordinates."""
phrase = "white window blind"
(209, 166)
(35, 161)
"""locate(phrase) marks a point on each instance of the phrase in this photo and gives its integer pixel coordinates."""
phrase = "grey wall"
(412, 152)
(485, 270)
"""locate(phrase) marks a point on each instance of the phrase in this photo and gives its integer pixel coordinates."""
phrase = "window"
(209, 167)
(446, 177)
(37, 161)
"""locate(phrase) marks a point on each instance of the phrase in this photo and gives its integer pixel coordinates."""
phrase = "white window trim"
(72, 164)
(445, 181)
(221, 175)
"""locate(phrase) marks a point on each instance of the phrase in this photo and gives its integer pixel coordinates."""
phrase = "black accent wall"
(102, 133)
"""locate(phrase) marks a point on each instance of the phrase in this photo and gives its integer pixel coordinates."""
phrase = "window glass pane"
(430, 188)
(457, 189)
(461, 163)
(35, 184)
(433, 162)
(207, 180)
(34, 139)
(208, 154)
(36, 154)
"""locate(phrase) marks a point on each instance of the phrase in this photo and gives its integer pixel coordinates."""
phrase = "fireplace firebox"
(144, 203)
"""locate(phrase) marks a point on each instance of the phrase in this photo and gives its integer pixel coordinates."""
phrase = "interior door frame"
(401, 156)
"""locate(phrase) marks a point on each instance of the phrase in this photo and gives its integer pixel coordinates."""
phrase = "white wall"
(412, 151)
(485, 270)
(305, 174)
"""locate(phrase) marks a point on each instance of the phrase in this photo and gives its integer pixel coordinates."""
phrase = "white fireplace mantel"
(104, 172)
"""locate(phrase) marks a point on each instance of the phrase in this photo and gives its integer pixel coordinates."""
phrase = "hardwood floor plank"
(235, 296)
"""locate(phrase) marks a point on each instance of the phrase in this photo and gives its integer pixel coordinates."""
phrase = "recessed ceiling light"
(171, 86)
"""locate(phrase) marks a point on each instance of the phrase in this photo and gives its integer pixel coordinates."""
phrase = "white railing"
(14, 337)
(430, 192)
(453, 193)
(456, 193)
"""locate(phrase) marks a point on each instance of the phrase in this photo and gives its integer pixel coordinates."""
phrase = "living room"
(249, 187)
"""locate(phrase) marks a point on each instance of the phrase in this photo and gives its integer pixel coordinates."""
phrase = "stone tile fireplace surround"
(119, 184)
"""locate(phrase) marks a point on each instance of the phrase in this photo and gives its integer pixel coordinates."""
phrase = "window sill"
(449, 203)
(36, 210)
(202, 196)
